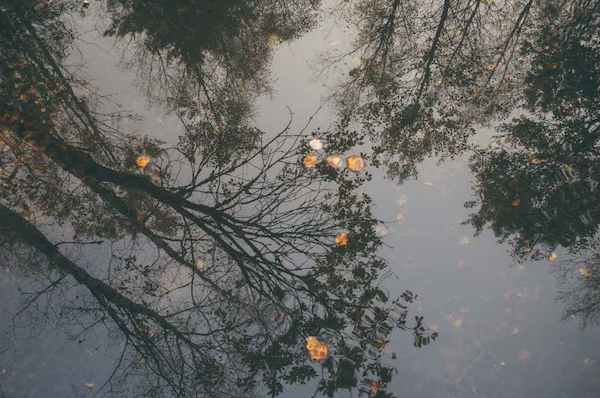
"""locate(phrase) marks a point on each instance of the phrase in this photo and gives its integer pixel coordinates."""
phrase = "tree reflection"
(426, 74)
(208, 61)
(538, 186)
(218, 267)
(579, 285)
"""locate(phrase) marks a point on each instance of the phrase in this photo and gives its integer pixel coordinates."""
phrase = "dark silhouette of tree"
(579, 284)
(250, 238)
(427, 74)
(538, 185)
(208, 61)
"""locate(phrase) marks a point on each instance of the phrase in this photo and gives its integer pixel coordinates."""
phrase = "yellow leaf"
(355, 163)
(317, 350)
(334, 161)
(342, 239)
(142, 161)
(310, 161)
(585, 272)
(273, 40)
(457, 323)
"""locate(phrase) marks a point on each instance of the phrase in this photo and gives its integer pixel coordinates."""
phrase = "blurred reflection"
(579, 285)
(207, 61)
(214, 269)
(538, 185)
(426, 74)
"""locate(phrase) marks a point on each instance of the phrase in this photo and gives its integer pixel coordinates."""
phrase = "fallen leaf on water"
(374, 386)
(200, 264)
(585, 272)
(334, 161)
(142, 161)
(273, 40)
(342, 239)
(551, 66)
(534, 160)
(516, 203)
(317, 350)
(310, 161)
(552, 257)
(316, 144)
(427, 183)
(90, 386)
(355, 163)
(490, 67)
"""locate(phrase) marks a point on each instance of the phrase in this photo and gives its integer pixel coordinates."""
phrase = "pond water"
(256, 198)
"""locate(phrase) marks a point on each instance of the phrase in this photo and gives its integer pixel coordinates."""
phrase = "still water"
(257, 198)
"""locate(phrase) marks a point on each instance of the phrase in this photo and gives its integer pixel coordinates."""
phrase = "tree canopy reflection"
(426, 76)
(216, 268)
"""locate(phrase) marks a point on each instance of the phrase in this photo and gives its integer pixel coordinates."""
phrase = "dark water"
(363, 198)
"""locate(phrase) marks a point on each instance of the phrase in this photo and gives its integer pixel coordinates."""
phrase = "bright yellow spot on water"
(273, 40)
(310, 161)
(316, 144)
(342, 239)
(585, 272)
(457, 323)
(317, 350)
(355, 163)
(334, 161)
(142, 161)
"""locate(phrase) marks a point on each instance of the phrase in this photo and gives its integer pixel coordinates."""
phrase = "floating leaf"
(317, 350)
(585, 272)
(273, 40)
(456, 323)
(532, 159)
(310, 161)
(516, 203)
(355, 163)
(90, 386)
(374, 387)
(143, 161)
(552, 257)
(316, 144)
(551, 66)
(200, 264)
(334, 161)
(342, 239)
